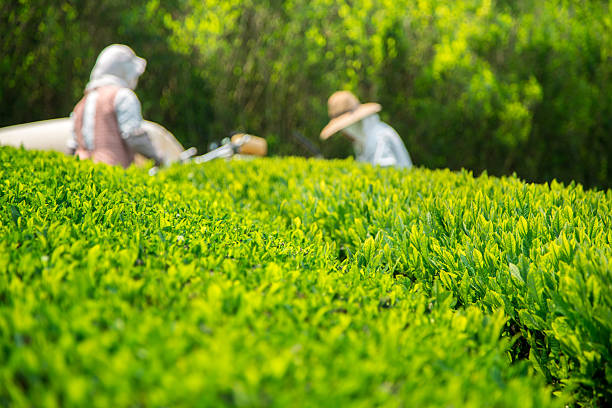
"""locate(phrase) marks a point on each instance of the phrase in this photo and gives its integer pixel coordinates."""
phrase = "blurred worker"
(374, 141)
(107, 121)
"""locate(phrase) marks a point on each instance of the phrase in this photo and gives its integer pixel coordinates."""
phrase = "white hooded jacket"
(377, 143)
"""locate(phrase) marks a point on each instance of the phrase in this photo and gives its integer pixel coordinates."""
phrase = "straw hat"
(344, 109)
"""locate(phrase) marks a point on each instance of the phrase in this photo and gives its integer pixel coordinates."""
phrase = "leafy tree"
(48, 48)
(485, 85)
(490, 85)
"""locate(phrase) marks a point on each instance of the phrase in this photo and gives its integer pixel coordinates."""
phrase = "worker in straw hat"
(107, 121)
(374, 141)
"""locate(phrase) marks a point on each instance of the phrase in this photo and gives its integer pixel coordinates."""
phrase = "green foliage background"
(48, 48)
(507, 86)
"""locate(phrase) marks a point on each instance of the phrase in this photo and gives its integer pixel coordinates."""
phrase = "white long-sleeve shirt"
(377, 143)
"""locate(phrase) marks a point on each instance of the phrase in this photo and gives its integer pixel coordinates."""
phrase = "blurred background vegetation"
(505, 86)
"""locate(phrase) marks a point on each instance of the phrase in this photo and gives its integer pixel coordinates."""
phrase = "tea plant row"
(298, 282)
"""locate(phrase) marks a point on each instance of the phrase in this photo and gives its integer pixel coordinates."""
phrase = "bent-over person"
(374, 141)
(107, 121)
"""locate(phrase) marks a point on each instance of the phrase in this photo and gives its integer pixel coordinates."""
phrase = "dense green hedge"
(490, 85)
(299, 282)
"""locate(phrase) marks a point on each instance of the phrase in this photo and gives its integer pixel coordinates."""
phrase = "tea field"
(292, 282)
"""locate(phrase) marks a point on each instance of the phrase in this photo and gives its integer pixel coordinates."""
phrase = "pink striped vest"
(109, 146)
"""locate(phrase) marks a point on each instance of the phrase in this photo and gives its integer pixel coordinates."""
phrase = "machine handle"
(249, 144)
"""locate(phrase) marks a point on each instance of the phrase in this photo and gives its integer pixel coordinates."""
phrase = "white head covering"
(118, 65)
(362, 134)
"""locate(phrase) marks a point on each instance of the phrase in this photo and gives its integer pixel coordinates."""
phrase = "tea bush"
(299, 282)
